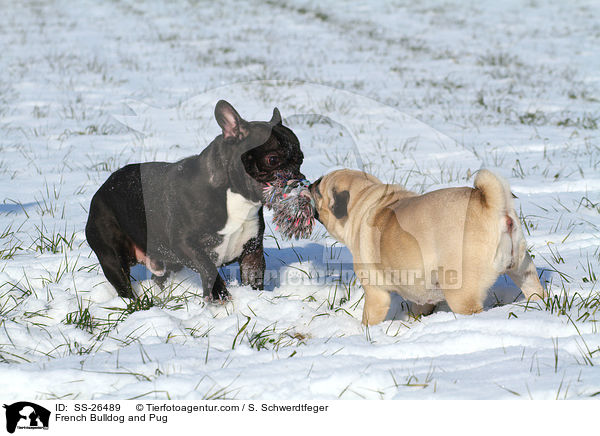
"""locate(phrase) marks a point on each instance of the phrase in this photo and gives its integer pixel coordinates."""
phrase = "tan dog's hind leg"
(468, 298)
(377, 304)
(421, 309)
(525, 277)
(464, 302)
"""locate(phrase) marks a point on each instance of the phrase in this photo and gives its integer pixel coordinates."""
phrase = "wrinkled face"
(279, 156)
(268, 149)
(331, 195)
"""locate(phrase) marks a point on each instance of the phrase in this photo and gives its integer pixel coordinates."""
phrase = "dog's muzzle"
(313, 189)
(288, 175)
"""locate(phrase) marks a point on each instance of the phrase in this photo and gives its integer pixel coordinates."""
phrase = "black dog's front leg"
(252, 259)
(219, 291)
(252, 264)
(213, 285)
(169, 269)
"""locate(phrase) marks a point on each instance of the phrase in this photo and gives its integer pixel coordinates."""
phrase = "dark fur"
(174, 211)
(340, 204)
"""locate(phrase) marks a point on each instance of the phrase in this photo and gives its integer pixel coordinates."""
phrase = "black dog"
(201, 212)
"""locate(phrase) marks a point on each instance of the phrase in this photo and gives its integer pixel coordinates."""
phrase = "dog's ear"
(233, 126)
(339, 206)
(276, 118)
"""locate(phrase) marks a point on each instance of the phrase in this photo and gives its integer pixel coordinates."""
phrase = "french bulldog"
(450, 244)
(201, 212)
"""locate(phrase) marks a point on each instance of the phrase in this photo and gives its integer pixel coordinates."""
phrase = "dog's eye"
(272, 160)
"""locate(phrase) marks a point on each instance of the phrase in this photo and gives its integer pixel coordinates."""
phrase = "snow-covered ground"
(420, 93)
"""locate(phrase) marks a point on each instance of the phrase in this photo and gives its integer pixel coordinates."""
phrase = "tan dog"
(447, 244)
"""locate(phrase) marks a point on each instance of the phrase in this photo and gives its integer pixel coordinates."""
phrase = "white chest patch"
(242, 225)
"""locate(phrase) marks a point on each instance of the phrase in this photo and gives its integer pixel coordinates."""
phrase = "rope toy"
(293, 207)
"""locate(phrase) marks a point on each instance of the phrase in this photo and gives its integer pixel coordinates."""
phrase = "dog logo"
(25, 415)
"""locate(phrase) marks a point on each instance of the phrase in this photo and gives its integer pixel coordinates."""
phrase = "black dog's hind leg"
(116, 269)
(113, 253)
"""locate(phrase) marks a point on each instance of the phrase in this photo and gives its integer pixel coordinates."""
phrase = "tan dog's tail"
(495, 190)
(498, 198)
(511, 253)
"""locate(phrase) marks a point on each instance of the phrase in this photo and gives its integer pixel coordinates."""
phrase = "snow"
(418, 93)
